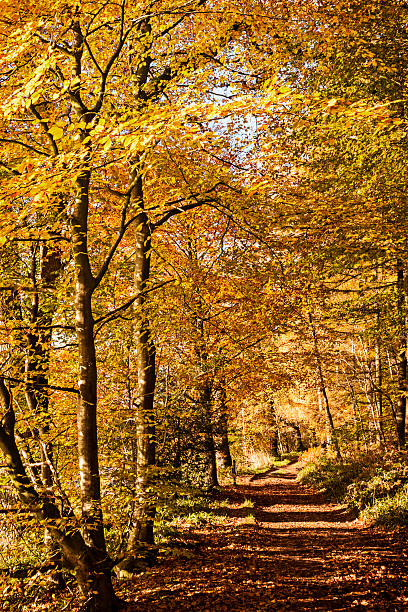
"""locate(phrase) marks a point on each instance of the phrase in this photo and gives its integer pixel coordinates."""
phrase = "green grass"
(190, 509)
(373, 484)
(390, 511)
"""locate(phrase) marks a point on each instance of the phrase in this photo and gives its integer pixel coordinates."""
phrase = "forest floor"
(291, 551)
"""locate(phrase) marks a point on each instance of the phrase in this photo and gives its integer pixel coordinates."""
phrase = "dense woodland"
(203, 259)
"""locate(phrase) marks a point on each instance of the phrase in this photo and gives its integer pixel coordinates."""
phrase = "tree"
(96, 100)
(337, 174)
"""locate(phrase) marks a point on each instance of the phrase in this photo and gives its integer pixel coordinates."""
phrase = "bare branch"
(114, 314)
(105, 73)
(124, 225)
(199, 201)
(45, 127)
(176, 211)
(24, 144)
(38, 384)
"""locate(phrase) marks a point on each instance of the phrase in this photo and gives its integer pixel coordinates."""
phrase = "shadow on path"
(273, 470)
(300, 553)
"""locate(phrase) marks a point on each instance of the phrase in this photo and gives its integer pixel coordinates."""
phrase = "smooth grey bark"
(101, 596)
(143, 400)
(144, 364)
(93, 566)
(88, 456)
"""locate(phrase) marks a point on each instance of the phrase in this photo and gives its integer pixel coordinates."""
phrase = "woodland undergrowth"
(25, 579)
(373, 483)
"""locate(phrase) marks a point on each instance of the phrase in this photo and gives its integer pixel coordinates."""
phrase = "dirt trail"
(302, 553)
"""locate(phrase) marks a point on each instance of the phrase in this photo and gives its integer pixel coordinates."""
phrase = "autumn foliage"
(203, 245)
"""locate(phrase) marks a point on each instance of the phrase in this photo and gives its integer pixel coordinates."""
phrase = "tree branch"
(115, 313)
(38, 384)
(190, 206)
(23, 144)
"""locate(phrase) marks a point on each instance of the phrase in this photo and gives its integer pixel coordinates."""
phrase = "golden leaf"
(56, 132)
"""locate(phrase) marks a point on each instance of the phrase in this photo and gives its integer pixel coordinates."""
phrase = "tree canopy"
(203, 240)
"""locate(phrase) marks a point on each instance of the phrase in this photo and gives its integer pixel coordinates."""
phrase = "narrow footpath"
(300, 553)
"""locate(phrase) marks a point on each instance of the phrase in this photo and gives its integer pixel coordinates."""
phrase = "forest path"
(300, 553)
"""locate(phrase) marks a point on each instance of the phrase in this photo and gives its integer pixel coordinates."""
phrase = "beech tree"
(337, 184)
(96, 101)
(118, 121)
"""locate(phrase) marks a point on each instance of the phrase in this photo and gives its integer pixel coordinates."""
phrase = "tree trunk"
(275, 443)
(92, 567)
(244, 437)
(372, 390)
(85, 554)
(378, 384)
(145, 353)
(177, 454)
(139, 549)
(204, 390)
(37, 361)
(224, 459)
(358, 421)
(87, 376)
(322, 388)
(401, 407)
(210, 469)
(100, 590)
(274, 431)
(300, 447)
(224, 453)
